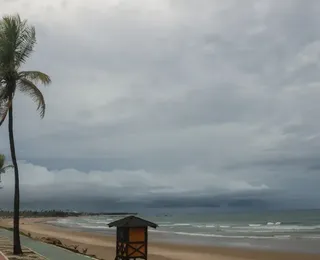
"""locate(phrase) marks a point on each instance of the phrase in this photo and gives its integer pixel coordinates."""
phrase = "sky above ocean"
(158, 100)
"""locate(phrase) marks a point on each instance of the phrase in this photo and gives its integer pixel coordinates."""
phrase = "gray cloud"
(229, 96)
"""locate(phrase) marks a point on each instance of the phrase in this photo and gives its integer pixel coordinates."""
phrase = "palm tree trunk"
(16, 231)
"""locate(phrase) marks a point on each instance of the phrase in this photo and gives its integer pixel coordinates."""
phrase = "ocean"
(270, 230)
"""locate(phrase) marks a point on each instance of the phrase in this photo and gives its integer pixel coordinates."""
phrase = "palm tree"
(17, 40)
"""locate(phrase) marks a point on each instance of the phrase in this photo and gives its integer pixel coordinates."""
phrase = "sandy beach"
(104, 246)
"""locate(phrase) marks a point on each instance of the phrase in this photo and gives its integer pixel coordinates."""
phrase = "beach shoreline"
(103, 246)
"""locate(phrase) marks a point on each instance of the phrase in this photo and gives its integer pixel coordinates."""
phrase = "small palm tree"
(17, 40)
(3, 168)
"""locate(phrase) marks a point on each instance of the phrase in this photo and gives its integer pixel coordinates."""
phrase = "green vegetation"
(17, 40)
(3, 168)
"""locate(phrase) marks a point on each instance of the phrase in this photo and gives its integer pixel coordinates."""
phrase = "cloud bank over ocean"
(151, 100)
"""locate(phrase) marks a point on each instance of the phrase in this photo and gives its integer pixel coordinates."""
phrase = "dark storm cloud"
(226, 101)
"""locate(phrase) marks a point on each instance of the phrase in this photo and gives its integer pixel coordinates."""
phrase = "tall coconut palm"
(17, 40)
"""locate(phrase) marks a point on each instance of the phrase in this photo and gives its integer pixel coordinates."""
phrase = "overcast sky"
(156, 98)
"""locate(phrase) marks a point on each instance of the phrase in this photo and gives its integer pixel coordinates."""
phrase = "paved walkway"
(48, 251)
(3, 257)
(6, 250)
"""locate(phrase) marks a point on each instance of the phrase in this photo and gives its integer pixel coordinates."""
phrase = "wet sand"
(104, 246)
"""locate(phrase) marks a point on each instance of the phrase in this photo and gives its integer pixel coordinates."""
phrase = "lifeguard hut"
(132, 237)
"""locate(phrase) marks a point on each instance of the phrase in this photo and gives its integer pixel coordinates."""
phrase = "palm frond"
(2, 160)
(25, 44)
(17, 40)
(3, 92)
(4, 108)
(28, 87)
(3, 170)
(4, 103)
(35, 77)
(8, 35)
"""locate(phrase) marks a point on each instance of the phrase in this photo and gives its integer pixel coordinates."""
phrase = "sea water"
(273, 230)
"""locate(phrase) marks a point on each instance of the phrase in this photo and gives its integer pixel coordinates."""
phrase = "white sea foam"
(253, 230)
(273, 223)
(93, 227)
(282, 236)
(289, 227)
(311, 237)
(210, 226)
(63, 220)
(221, 236)
(102, 222)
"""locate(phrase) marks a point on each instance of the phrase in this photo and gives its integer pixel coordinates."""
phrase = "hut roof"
(132, 221)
